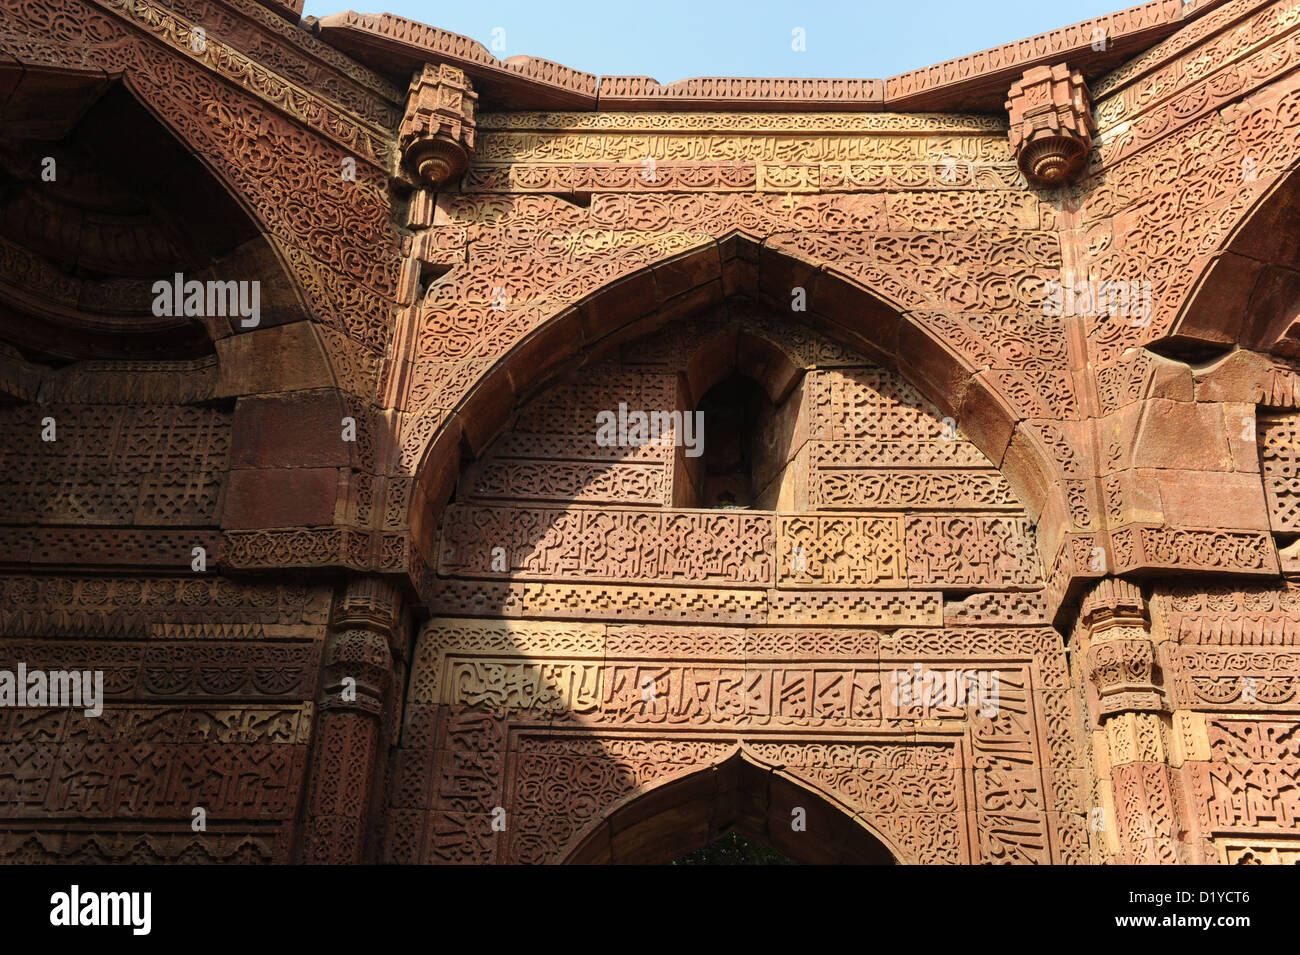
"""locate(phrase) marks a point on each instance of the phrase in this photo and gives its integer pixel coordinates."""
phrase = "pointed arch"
(739, 792)
(133, 205)
(278, 149)
(1248, 293)
(739, 267)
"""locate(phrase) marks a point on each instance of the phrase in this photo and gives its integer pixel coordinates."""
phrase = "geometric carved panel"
(1253, 781)
(866, 487)
(593, 544)
(113, 464)
(1207, 678)
(971, 551)
(1279, 455)
(585, 482)
(841, 550)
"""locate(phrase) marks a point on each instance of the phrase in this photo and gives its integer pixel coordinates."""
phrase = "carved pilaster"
(1051, 124)
(358, 675)
(437, 134)
(1126, 701)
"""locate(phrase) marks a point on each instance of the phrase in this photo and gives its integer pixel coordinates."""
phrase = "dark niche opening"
(99, 201)
(734, 412)
(734, 849)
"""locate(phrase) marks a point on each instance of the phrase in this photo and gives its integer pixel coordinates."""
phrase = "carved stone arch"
(136, 205)
(1248, 293)
(296, 306)
(738, 792)
(739, 267)
(276, 147)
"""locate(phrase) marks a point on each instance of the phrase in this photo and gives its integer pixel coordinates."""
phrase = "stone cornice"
(395, 46)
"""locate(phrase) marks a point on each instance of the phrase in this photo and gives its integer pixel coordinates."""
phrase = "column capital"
(1120, 656)
(1113, 600)
(358, 653)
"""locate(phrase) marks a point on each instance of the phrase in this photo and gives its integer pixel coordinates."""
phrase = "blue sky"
(675, 39)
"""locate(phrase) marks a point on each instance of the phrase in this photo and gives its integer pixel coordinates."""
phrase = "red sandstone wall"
(272, 690)
(208, 681)
(894, 542)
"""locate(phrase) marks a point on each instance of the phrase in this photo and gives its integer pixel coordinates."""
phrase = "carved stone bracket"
(1051, 124)
(437, 133)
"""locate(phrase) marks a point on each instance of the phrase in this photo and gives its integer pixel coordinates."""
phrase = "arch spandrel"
(1179, 215)
(1186, 155)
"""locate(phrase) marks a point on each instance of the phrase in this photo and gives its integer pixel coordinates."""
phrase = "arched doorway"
(738, 794)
